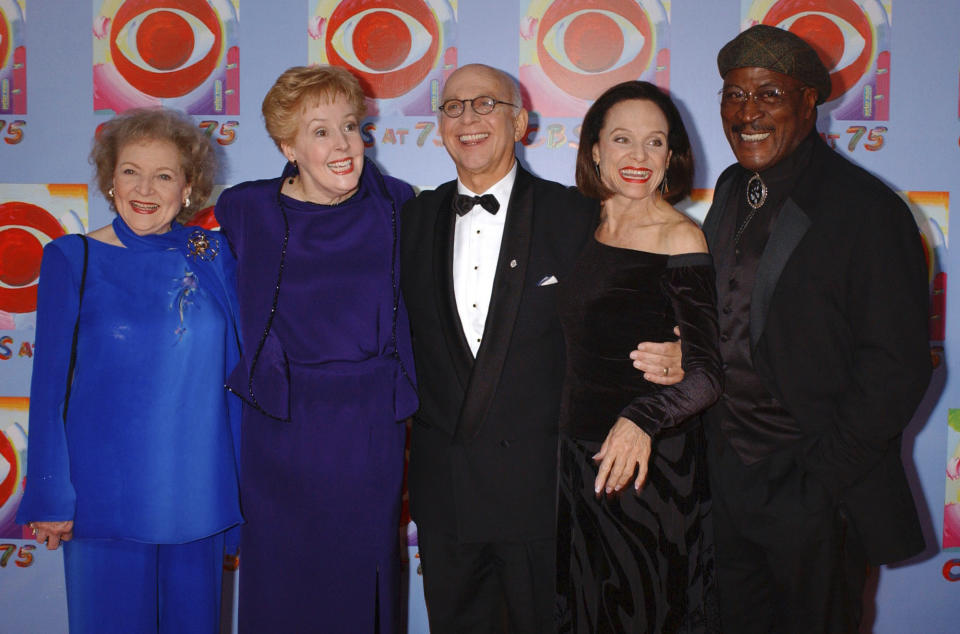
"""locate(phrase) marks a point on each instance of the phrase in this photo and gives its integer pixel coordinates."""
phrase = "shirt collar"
(788, 169)
(501, 189)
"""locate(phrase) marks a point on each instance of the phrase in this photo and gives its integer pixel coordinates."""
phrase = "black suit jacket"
(838, 333)
(483, 453)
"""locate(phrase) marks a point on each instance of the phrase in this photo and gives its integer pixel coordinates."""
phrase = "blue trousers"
(124, 586)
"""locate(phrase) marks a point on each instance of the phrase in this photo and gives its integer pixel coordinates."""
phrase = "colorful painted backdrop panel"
(13, 57)
(181, 54)
(401, 50)
(852, 38)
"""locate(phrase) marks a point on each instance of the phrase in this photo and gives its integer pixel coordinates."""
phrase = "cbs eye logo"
(13, 55)
(573, 50)
(166, 49)
(4, 39)
(586, 50)
(849, 36)
(390, 45)
(24, 230)
(162, 49)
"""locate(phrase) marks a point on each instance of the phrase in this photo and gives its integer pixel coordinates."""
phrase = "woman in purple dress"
(327, 371)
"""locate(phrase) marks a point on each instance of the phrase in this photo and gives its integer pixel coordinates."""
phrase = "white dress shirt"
(476, 249)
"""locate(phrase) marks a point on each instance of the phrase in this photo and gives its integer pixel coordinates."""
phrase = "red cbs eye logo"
(951, 570)
(24, 230)
(6, 42)
(9, 454)
(390, 45)
(166, 48)
(585, 50)
(839, 31)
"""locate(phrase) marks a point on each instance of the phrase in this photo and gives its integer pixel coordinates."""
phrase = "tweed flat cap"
(776, 49)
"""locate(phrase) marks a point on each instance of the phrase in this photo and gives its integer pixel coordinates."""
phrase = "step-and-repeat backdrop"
(66, 67)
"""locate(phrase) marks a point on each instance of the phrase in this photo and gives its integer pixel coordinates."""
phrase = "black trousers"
(488, 587)
(787, 560)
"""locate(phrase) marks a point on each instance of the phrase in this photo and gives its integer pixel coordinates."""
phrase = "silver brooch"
(201, 246)
(756, 191)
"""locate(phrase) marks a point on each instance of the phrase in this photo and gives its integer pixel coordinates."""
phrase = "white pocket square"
(547, 281)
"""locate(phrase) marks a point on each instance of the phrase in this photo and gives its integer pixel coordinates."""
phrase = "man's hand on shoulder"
(659, 362)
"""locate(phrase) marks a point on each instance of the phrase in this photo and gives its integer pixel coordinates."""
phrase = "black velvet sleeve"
(690, 283)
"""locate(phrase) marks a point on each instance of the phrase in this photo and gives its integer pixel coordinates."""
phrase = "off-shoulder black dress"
(629, 562)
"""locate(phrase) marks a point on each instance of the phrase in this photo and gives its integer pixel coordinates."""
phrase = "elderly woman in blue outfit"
(133, 441)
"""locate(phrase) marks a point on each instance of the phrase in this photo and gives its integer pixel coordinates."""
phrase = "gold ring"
(666, 371)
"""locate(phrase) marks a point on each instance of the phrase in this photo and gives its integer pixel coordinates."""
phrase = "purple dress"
(326, 379)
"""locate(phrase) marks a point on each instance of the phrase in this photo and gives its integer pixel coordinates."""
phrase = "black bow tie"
(463, 203)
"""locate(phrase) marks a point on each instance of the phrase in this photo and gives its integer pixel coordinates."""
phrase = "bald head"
(482, 145)
(508, 84)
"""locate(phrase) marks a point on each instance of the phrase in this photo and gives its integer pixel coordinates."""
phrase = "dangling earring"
(290, 181)
(110, 192)
(186, 203)
(596, 166)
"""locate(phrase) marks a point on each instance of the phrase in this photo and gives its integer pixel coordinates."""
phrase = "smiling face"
(481, 146)
(761, 135)
(328, 150)
(149, 185)
(632, 149)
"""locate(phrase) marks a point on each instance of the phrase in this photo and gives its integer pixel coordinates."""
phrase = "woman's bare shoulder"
(680, 234)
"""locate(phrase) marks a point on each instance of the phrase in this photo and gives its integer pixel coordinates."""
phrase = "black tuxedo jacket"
(483, 454)
(838, 333)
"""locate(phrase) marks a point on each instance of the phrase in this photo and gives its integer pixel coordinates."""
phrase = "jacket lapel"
(456, 341)
(788, 229)
(504, 305)
(711, 224)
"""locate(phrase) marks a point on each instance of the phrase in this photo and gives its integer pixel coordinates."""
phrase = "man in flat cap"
(822, 300)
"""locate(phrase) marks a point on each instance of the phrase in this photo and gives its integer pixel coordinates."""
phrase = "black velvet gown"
(636, 562)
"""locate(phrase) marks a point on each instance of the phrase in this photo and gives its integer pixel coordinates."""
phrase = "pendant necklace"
(756, 191)
(756, 196)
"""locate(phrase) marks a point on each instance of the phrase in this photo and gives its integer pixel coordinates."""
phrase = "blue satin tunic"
(148, 452)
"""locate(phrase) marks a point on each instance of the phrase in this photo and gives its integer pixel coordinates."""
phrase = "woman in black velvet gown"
(636, 560)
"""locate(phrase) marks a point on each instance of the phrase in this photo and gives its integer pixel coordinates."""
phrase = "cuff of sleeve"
(651, 427)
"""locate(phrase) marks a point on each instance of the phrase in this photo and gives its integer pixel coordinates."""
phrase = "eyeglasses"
(736, 97)
(482, 105)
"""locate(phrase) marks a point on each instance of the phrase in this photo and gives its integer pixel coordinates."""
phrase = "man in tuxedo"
(482, 258)
(822, 302)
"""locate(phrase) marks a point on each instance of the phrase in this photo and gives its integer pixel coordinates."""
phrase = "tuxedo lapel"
(711, 224)
(504, 305)
(788, 229)
(443, 286)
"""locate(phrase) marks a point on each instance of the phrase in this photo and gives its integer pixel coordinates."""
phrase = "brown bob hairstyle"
(197, 156)
(679, 175)
(301, 87)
